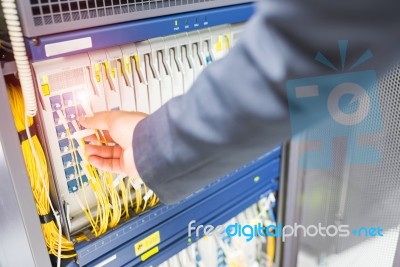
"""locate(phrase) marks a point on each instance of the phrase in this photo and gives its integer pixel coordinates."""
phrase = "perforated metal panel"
(42, 17)
(364, 195)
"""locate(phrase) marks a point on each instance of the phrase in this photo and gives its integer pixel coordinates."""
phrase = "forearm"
(237, 109)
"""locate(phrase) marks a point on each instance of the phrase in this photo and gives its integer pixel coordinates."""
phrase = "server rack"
(234, 192)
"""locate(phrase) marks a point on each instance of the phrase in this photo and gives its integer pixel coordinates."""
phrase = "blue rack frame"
(214, 205)
(134, 31)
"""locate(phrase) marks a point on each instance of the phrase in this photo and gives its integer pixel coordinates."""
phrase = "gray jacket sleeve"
(237, 109)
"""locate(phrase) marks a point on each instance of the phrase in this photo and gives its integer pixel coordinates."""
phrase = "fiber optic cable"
(36, 165)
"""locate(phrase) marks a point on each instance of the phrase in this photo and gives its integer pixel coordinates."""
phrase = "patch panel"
(138, 76)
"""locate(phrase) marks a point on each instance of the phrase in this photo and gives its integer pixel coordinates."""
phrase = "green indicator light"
(256, 179)
(176, 23)
(189, 240)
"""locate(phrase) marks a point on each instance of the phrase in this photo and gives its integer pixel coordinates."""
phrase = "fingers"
(100, 120)
(107, 152)
(107, 158)
(99, 138)
(119, 124)
(111, 165)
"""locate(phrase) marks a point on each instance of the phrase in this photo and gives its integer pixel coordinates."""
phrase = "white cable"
(56, 215)
(20, 56)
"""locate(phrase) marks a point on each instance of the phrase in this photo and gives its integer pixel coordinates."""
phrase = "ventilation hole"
(92, 14)
(38, 21)
(65, 7)
(82, 5)
(117, 10)
(101, 12)
(92, 4)
(84, 15)
(109, 11)
(99, 3)
(57, 18)
(75, 15)
(36, 10)
(45, 10)
(48, 20)
(74, 6)
(55, 8)
(66, 17)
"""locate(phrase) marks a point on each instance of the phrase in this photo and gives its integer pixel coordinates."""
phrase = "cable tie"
(49, 217)
(23, 136)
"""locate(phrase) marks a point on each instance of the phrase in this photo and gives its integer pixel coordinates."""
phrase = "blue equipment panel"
(130, 32)
(215, 204)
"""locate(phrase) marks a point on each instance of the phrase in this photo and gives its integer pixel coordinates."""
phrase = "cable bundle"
(36, 166)
(112, 203)
(113, 195)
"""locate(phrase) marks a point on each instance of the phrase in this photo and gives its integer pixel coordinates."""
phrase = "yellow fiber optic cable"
(124, 196)
(129, 191)
(112, 203)
(39, 177)
(270, 251)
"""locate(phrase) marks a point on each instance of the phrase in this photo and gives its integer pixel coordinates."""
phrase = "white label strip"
(67, 46)
(106, 261)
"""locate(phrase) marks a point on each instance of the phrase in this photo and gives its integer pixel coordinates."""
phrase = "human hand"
(118, 127)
